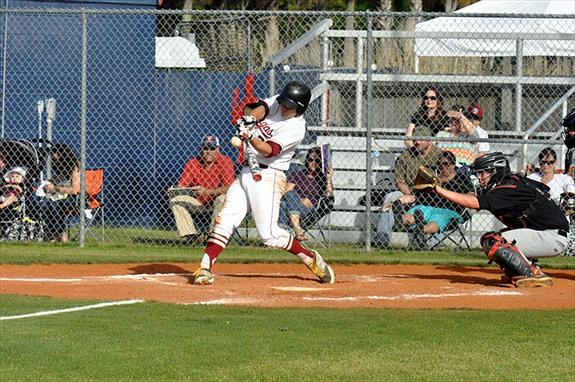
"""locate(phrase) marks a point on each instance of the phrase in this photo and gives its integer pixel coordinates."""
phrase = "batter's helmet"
(295, 95)
(497, 162)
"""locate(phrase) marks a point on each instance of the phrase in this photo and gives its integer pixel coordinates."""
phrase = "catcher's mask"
(496, 163)
(295, 95)
(569, 129)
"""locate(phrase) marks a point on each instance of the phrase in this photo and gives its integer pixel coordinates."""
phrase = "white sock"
(305, 258)
(206, 262)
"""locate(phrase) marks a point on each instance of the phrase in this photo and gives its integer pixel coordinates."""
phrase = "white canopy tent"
(178, 52)
(480, 38)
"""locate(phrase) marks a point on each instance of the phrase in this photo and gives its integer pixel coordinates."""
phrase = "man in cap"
(475, 116)
(201, 189)
(423, 153)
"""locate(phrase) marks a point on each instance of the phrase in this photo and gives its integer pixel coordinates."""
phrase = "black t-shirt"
(460, 183)
(518, 205)
(440, 122)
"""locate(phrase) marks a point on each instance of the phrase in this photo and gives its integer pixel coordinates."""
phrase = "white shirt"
(482, 147)
(559, 184)
(288, 133)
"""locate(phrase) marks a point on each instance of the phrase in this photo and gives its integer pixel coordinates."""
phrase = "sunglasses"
(445, 163)
(209, 148)
(546, 162)
(316, 160)
(432, 98)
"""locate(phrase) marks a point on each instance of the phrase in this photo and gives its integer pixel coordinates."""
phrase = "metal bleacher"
(348, 218)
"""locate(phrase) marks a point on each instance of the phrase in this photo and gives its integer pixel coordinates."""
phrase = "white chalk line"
(138, 277)
(416, 296)
(69, 310)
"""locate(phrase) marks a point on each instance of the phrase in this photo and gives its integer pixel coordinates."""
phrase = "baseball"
(236, 141)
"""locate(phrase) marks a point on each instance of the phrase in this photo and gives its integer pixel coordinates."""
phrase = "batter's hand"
(245, 127)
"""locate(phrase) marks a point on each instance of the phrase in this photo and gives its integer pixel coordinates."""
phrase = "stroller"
(18, 225)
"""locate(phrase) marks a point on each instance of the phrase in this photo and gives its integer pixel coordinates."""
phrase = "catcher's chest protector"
(506, 255)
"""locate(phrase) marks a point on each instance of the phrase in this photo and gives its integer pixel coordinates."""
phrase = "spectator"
(61, 192)
(461, 128)
(2, 163)
(305, 191)
(429, 114)
(547, 174)
(11, 193)
(431, 213)
(423, 153)
(201, 188)
(475, 115)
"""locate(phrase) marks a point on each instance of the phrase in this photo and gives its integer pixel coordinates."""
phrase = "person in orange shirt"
(201, 188)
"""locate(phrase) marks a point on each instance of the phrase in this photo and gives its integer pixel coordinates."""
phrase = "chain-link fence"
(135, 92)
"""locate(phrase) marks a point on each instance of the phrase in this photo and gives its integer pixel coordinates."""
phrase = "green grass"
(163, 342)
(118, 253)
(166, 342)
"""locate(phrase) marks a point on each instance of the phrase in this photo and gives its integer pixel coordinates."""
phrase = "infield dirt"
(292, 285)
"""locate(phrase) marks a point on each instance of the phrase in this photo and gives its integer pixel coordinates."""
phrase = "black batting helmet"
(295, 95)
(496, 162)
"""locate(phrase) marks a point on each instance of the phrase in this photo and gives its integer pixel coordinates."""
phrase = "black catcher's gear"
(517, 268)
(495, 162)
(295, 95)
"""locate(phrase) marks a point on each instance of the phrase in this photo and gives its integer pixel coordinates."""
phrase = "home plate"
(300, 289)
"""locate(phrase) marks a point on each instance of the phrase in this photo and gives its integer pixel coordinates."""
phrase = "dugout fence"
(136, 91)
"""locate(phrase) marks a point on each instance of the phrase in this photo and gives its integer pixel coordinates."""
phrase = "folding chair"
(313, 220)
(95, 207)
(454, 233)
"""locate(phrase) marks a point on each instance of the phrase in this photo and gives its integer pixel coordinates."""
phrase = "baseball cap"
(475, 110)
(211, 141)
(18, 170)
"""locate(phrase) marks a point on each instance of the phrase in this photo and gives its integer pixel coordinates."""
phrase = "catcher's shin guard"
(506, 255)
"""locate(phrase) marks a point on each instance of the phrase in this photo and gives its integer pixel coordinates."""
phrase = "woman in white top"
(558, 183)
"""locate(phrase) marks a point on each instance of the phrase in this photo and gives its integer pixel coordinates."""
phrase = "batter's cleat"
(541, 280)
(320, 268)
(203, 277)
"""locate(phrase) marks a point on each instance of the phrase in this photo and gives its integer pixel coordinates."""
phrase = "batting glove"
(245, 127)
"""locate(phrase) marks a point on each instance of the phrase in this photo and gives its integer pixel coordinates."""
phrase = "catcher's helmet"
(295, 95)
(497, 162)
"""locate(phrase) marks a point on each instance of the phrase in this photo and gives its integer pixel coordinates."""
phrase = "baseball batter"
(272, 129)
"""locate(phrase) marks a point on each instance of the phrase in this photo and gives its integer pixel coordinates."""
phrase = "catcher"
(536, 226)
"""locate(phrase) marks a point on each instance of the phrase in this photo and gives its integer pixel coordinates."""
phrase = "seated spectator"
(547, 174)
(461, 128)
(201, 189)
(432, 214)
(475, 115)
(11, 194)
(305, 191)
(423, 153)
(61, 193)
(430, 114)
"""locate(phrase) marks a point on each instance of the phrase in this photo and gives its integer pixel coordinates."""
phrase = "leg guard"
(506, 255)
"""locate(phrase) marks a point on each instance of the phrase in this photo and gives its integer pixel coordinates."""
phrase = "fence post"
(4, 62)
(368, 135)
(83, 116)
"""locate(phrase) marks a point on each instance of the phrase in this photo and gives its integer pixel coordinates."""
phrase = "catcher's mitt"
(426, 179)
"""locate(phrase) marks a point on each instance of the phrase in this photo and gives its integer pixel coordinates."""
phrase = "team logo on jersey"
(265, 129)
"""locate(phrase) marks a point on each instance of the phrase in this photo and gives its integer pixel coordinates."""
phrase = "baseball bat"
(253, 163)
